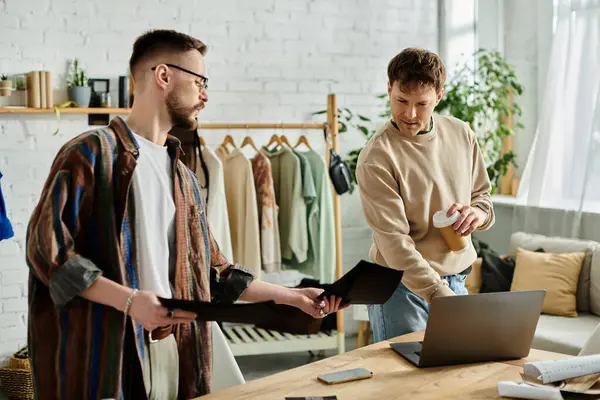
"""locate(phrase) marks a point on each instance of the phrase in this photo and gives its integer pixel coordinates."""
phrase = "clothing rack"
(333, 128)
(261, 126)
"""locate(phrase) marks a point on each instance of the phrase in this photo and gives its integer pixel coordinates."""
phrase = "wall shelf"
(72, 110)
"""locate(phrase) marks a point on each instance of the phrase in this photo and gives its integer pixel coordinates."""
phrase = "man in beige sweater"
(415, 165)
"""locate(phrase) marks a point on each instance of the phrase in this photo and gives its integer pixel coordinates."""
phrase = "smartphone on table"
(348, 375)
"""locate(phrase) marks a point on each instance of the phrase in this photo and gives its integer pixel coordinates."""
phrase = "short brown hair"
(417, 67)
(163, 41)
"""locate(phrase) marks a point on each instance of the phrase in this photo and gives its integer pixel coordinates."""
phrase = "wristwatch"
(485, 209)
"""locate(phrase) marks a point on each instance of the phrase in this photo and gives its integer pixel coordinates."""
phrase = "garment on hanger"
(287, 180)
(6, 230)
(308, 185)
(214, 197)
(267, 211)
(312, 213)
(240, 193)
(322, 228)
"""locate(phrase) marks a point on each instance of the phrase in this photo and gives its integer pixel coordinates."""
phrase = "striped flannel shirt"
(84, 227)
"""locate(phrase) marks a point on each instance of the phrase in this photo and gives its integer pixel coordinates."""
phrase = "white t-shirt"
(154, 217)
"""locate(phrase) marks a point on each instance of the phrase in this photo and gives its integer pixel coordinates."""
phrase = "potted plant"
(5, 86)
(78, 89)
(20, 84)
(483, 98)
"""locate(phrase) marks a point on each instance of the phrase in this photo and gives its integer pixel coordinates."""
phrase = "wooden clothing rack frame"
(249, 340)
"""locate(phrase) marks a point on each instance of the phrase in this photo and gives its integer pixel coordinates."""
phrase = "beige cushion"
(564, 335)
(473, 282)
(551, 244)
(557, 273)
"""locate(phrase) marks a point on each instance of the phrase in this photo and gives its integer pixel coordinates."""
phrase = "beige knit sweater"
(403, 181)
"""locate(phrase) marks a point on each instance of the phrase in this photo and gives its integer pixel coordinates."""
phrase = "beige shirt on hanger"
(242, 209)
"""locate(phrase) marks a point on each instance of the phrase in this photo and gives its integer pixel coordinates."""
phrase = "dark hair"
(163, 41)
(417, 67)
(192, 153)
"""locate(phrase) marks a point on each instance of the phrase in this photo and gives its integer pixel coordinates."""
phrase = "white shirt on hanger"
(218, 217)
(154, 217)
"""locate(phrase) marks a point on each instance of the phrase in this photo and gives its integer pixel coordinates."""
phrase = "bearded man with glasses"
(120, 223)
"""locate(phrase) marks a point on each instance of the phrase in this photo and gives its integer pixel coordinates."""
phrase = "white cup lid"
(440, 219)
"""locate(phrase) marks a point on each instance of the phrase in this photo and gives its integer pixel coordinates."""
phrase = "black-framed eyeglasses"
(204, 79)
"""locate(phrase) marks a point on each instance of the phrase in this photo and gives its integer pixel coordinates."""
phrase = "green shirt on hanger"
(287, 181)
(312, 214)
(322, 226)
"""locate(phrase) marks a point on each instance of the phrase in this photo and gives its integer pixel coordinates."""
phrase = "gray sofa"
(566, 334)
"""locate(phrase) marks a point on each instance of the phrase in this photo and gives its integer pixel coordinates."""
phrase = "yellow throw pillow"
(558, 273)
(473, 282)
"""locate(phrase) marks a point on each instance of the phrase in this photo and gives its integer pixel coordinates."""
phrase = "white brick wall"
(268, 61)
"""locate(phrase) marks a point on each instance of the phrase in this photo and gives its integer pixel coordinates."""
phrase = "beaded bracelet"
(129, 301)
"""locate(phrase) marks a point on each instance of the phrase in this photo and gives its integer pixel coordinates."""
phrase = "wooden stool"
(364, 331)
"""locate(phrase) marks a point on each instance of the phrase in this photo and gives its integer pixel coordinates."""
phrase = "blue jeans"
(405, 312)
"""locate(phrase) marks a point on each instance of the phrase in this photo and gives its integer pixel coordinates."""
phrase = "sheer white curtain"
(561, 179)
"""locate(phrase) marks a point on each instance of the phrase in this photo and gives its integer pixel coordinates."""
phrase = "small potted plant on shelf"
(78, 89)
(5, 86)
(20, 84)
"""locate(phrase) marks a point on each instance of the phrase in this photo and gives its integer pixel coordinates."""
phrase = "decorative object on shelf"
(5, 86)
(20, 82)
(39, 89)
(18, 98)
(16, 380)
(100, 99)
(57, 108)
(124, 97)
(71, 110)
(33, 90)
(106, 100)
(48, 95)
(100, 88)
(78, 88)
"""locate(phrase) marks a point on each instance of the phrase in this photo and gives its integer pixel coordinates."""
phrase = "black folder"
(366, 283)
(267, 315)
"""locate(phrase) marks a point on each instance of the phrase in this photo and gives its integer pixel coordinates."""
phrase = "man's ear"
(162, 76)
(440, 94)
(389, 89)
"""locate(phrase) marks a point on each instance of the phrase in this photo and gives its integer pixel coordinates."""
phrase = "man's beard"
(182, 117)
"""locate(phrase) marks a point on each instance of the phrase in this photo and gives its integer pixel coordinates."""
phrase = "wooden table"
(393, 377)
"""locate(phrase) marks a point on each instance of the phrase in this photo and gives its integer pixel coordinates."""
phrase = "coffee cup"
(454, 240)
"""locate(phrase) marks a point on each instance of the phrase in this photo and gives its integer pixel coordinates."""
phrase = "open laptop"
(476, 328)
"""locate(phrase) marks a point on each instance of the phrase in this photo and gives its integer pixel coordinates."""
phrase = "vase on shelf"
(6, 87)
(80, 95)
